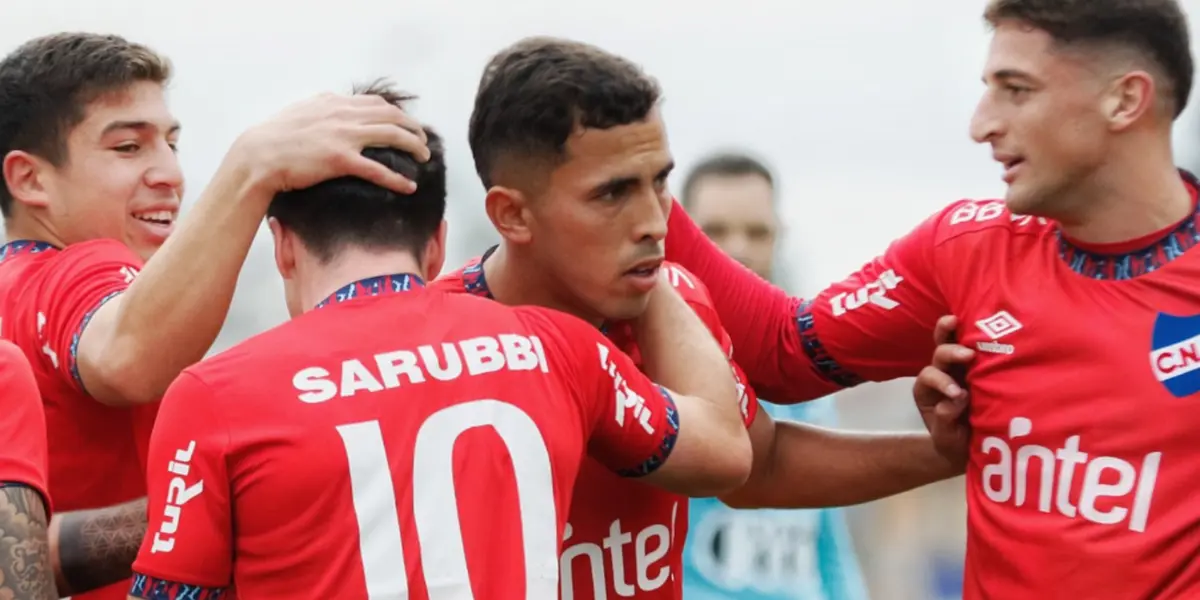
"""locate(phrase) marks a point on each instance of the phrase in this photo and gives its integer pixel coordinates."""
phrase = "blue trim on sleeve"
(671, 434)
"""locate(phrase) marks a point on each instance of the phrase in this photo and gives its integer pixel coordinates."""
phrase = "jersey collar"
(19, 247)
(1169, 245)
(375, 286)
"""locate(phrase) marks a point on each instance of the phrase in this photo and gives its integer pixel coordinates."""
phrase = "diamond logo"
(999, 325)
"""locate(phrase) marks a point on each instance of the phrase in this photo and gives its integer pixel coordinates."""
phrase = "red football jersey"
(1083, 457)
(390, 445)
(97, 453)
(22, 424)
(624, 538)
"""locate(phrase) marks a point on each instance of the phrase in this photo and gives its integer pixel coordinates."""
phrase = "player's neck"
(351, 266)
(25, 228)
(1131, 197)
(516, 282)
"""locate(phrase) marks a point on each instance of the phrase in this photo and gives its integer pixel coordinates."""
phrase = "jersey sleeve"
(695, 293)
(83, 277)
(875, 325)
(189, 540)
(631, 422)
(23, 459)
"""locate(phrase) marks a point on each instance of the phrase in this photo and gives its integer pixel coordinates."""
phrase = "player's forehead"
(639, 150)
(140, 108)
(1021, 51)
(740, 198)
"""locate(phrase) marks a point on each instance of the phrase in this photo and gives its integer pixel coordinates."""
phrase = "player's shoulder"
(461, 280)
(690, 287)
(973, 220)
(101, 250)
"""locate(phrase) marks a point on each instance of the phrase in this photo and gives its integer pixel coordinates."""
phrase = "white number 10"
(435, 502)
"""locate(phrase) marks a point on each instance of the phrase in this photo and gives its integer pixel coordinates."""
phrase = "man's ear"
(25, 176)
(285, 251)
(508, 210)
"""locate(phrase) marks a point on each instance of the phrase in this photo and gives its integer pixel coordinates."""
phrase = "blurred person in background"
(766, 554)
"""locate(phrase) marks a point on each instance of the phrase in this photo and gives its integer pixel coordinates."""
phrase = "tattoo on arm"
(97, 547)
(25, 572)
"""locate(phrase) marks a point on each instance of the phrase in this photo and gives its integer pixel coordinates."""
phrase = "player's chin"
(1020, 199)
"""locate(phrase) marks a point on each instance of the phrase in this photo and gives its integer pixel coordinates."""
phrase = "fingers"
(950, 410)
(382, 113)
(932, 379)
(390, 136)
(944, 332)
(946, 356)
(379, 174)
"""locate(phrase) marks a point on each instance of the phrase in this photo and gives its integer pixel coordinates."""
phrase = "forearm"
(760, 318)
(94, 548)
(173, 311)
(814, 467)
(25, 572)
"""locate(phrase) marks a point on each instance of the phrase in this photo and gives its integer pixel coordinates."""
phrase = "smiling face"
(121, 177)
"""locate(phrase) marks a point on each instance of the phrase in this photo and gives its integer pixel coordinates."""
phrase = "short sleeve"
(82, 279)
(877, 324)
(23, 459)
(189, 540)
(632, 422)
(695, 293)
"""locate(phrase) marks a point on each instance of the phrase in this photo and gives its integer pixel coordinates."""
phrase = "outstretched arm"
(25, 572)
(94, 548)
(797, 465)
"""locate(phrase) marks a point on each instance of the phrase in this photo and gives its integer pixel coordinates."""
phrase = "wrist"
(247, 173)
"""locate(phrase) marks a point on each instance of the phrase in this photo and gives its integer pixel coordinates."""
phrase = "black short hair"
(534, 94)
(1158, 29)
(349, 211)
(47, 83)
(723, 164)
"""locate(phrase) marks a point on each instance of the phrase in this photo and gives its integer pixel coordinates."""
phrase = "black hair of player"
(724, 164)
(1158, 29)
(534, 94)
(47, 83)
(353, 212)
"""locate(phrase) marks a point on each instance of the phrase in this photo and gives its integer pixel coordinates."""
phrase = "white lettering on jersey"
(46, 349)
(446, 362)
(1007, 479)
(874, 293)
(676, 276)
(129, 273)
(178, 494)
(1179, 358)
(650, 546)
(982, 212)
(435, 496)
(627, 400)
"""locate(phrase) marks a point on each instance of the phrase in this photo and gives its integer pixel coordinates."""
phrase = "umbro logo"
(996, 327)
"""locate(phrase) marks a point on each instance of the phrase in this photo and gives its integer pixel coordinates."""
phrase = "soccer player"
(760, 554)
(1077, 291)
(25, 571)
(395, 442)
(571, 146)
(92, 188)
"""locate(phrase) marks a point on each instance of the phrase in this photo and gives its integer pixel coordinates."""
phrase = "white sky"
(861, 106)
